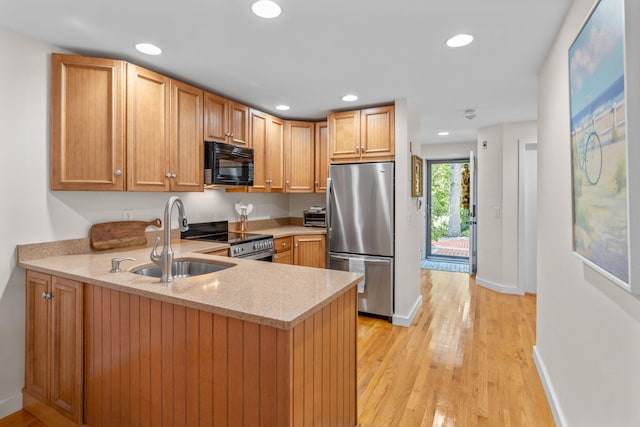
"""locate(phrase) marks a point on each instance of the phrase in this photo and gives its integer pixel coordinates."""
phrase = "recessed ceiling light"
(443, 133)
(148, 49)
(266, 9)
(350, 98)
(282, 107)
(459, 40)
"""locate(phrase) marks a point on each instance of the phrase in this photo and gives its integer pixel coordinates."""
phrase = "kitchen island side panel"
(148, 362)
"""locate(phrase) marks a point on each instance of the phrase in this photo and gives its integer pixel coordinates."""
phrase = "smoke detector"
(470, 113)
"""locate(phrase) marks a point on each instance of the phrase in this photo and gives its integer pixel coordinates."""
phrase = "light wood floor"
(465, 361)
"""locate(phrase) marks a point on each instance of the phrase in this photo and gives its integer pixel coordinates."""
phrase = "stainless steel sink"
(184, 268)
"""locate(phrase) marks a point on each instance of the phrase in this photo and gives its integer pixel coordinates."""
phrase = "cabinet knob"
(173, 175)
(362, 148)
(316, 183)
(117, 172)
(47, 295)
(357, 149)
(170, 175)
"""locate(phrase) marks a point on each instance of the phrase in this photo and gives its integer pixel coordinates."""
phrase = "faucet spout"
(165, 259)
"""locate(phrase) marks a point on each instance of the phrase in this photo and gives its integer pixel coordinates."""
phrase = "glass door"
(448, 208)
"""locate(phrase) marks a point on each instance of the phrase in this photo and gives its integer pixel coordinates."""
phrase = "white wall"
(588, 329)
(31, 213)
(407, 297)
(498, 204)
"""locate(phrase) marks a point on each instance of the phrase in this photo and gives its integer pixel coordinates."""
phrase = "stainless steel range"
(243, 245)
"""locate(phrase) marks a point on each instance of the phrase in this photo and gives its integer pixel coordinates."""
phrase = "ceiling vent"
(470, 113)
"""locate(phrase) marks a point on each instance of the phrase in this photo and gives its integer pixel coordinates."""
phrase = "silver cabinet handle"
(47, 295)
(173, 175)
(117, 172)
(357, 149)
(168, 175)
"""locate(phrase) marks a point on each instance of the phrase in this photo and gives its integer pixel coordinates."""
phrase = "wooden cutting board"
(120, 234)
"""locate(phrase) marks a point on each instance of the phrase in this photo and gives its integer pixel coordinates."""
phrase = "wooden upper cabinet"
(225, 121)
(377, 133)
(362, 135)
(165, 147)
(299, 156)
(344, 135)
(147, 130)
(321, 157)
(87, 123)
(186, 154)
(267, 141)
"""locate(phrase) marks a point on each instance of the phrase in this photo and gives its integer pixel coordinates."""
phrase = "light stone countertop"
(267, 293)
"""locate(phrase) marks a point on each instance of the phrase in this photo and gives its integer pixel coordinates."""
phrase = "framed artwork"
(417, 181)
(599, 144)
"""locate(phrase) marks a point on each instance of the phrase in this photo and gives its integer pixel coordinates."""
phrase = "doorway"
(448, 209)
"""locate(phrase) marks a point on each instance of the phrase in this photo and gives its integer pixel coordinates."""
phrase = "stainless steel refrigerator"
(360, 230)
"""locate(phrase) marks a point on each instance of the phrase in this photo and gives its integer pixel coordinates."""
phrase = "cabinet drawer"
(282, 244)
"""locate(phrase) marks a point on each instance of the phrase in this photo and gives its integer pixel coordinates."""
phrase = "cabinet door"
(186, 160)
(239, 124)
(344, 136)
(147, 130)
(309, 250)
(87, 123)
(299, 157)
(321, 158)
(259, 132)
(37, 336)
(216, 118)
(275, 155)
(378, 133)
(66, 349)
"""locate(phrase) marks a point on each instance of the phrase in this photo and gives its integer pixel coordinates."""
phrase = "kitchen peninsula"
(257, 343)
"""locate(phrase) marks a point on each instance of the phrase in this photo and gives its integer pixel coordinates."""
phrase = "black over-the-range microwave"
(226, 164)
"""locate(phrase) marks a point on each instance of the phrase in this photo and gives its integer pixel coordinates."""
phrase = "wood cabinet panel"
(344, 135)
(283, 244)
(267, 141)
(216, 118)
(310, 250)
(54, 342)
(321, 157)
(221, 252)
(243, 373)
(378, 132)
(147, 130)
(362, 135)
(299, 157)
(87, 123)
(283, 257)
(239, 124)
(186, 152)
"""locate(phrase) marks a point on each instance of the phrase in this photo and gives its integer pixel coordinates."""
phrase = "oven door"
(228, 164)
(260, 256)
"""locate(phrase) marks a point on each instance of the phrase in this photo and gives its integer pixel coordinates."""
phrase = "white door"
(527, 207)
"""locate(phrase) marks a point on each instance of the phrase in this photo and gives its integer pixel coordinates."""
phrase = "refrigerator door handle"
(339, 257)
(378, 261)
(328, 205)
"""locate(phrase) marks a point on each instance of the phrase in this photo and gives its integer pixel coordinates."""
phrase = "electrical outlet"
(127, 215)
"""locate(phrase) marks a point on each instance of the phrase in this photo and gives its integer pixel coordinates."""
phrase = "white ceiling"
(315, 52)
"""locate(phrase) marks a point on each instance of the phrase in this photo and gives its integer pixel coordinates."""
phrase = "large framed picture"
(602, 125)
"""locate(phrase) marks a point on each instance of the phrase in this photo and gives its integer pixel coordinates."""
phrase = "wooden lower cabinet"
(155, 363)
(284, 254)
(54, 342)
(310, 250)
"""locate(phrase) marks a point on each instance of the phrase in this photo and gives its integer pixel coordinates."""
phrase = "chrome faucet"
(165, 259)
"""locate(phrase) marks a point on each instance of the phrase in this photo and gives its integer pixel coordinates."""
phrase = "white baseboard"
(406, 321)
(498, 288)
(10, 404)
(548, 388)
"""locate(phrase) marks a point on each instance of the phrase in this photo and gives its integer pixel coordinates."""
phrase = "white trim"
(10, 405)
(552, 398)
(510, 290)
(406, 321)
